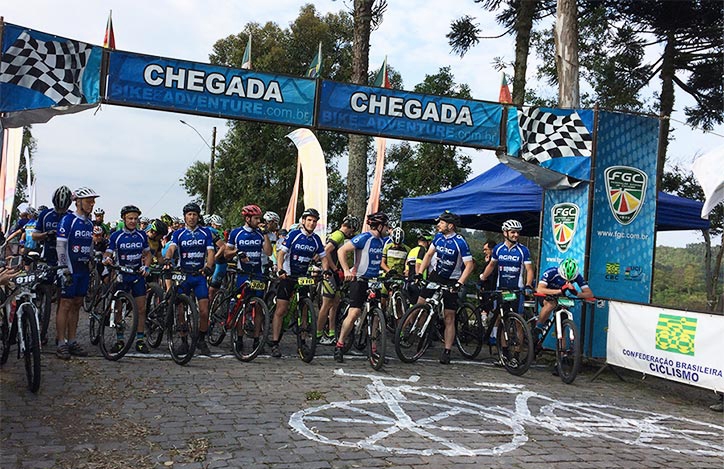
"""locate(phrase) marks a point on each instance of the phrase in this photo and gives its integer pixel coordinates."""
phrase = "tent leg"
(604, 368)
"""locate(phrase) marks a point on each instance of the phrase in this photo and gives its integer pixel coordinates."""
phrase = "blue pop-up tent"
(500, 193)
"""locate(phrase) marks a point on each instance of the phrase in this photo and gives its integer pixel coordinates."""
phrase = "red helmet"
(251, 211)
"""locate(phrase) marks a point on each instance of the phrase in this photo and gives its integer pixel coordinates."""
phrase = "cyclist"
(367, 248)
(557, 281)
(143, 223)
(195, 248)
(99, 215)
(130, 248)
(26, 239)
(299, 249)
(156, 231)
(249, 243)
(414, 259)
(450, 264)
(271, 226)
(74, 247)
(512, 261)
(332, 283)
(395, 252)
(217, 235)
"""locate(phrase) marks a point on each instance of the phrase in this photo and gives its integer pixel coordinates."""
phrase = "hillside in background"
(679, 277)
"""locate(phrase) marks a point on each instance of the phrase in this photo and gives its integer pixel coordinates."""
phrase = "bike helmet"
(167, 219)
(379, 218)
(159, 226)
(192, 207)
(42, 207)
(99, 211)
(130, 209)
(448, 217)
(568, 270)
(84, 193)
(31, 211)
(514, 225)
(251, 211)
(352, 221)
(310, 212)
(397, 235)
(143, 220)
(216, 220)
(62, 199)
(272, 217)
(178, 220)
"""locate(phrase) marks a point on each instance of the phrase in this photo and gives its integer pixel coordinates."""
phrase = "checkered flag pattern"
(545, 135)
(53, 68)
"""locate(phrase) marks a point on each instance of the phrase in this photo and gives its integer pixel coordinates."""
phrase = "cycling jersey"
(250, 242)
(128, 247)
(192, 246)
(367, 255)
(451, 252)
(415, 257)
(299, 248)
(395, 256)
(30, 243)
(552, 280)
(273, 241)
(337, 238)
(511, 262)
(75, 242)
(48, 220)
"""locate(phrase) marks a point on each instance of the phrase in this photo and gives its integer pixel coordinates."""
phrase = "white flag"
(708, 170)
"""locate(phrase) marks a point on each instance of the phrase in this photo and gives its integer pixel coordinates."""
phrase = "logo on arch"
(565, 222)
(625, 189)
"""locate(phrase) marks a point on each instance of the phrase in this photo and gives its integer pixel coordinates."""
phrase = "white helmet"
(216, 220)
(512, 225)
(99, 211)
(398, 235)
(84, 193)
(270, 217)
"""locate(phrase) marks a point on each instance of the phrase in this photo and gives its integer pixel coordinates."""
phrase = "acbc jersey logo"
(626, 190)
(565, 222)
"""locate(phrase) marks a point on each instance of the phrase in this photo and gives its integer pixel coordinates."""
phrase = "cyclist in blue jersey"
(451, 263)
(129, 247)
(26, 239)
(367, 247)
(250, 244)
(75, 248)
(300, 247)
(47, 226)
(513, 263)
(196, 258)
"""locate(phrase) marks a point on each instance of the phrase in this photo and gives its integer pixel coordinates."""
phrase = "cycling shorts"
(286, 289)
(332, 286)
(219, 272)
(77, 287)
(198, 284)
(449, 299)
(243, 277)
(358, 293)
(134, 284)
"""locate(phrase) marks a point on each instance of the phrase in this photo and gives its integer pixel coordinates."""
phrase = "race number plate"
(375, 285)
(305, 281)
(25, 279)
(432, 286)
(509, 296)
(178, 277)
(257, 285)
(567, 302)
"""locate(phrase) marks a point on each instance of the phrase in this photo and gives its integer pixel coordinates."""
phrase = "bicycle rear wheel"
(219, 311)
(90, 299)
(118, 326)
(31, 354)
(568, 351)
(412, 336)
(396, 307)
(250, 329)
(515, 343)
(377, 338)
(183, 331)
(154, 315)
(468, 331)
(307, 331)
(339, 319)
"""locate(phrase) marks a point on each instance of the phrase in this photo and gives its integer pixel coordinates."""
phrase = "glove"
(528, 290)
(391, 273)
(263, 230)
(208, 271)
(51, 238)
(281, 273)
(456, 288)
(329, 273)
(569, 290)
(145, 270)
(417, 277)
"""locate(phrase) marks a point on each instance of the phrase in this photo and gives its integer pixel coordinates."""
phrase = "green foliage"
(679, 277)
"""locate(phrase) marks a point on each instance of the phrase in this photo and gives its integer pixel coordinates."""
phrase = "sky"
(136, 156)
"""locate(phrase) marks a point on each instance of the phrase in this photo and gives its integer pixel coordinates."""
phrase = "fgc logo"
(625, 190)
(565, 222)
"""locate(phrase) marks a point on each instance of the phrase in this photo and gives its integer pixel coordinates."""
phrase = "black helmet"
(351, 221)
(310, 212)
(62, 198)
(379, 218)
(130, 209)
(449, 217)
(192, 207)
(158, 226)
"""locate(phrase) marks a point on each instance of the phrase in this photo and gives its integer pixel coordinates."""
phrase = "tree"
(565, 34)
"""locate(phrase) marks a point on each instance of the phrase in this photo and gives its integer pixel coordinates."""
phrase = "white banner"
(314, 175)
(676, 345)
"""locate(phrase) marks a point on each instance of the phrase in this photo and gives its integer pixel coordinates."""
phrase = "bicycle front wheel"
(396, 307)
(515, 343)
(376, 338)
(90, 299)
(183, 330)
(219, 311)
(307, 333)
(342, 313)
(118, 326)
(44, 303)
(154, 315)
(468, 331)
(250, 329)
(31, 354)
(568, 351)
(412, 336)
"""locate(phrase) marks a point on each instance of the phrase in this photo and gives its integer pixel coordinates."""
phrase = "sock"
(140, 335)
(340, 344)
(331, 333)
(319, 334)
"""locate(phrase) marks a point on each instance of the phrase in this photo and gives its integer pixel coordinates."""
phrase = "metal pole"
(209, 190)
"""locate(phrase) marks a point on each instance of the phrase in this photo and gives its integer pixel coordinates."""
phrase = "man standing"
(75, 248)
(451, 263)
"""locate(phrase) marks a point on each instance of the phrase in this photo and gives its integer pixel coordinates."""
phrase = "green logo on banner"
(676, 334)
(625, 189)
(565, 221)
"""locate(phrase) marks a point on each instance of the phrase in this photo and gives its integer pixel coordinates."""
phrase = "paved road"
(217, 412)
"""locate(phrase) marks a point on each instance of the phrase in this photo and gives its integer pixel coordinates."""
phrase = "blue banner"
(180, 86)
(406, 115)
(624, 207)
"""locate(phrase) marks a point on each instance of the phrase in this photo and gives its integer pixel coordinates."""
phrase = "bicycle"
(97, 289)
(244, 314)
(174, 315)
(369, 329)
(415, 331)
(397, 303)
(118, 319)
(22, 326)
(567, 339)
(301, 318)
(513, 337)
